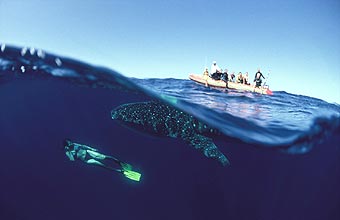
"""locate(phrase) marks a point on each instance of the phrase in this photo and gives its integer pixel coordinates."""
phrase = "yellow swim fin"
(132, 175)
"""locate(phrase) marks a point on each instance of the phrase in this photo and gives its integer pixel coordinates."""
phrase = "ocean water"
(283, 149)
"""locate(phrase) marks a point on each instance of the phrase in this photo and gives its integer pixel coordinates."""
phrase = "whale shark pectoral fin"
(208, 148)
(213, 152)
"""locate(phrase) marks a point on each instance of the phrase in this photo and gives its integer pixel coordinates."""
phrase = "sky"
(297, 41)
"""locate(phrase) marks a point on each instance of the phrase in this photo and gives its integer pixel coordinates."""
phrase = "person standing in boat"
(206, 73)
(258, 76)
(206, 76)
(215, 71)
(246, 79)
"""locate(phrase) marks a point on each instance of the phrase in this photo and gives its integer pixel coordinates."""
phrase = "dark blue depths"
(39, 183)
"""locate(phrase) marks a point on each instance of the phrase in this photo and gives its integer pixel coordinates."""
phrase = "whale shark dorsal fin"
(207, 146)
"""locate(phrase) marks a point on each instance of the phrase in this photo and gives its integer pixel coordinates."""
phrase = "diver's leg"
(124, 166)
(98, 163)
(94, 162)
(100, 156)
(96, 155)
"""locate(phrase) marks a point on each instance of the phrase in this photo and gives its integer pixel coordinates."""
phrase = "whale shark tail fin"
(132, 175)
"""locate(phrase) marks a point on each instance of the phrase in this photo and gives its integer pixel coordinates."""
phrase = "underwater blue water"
(283, 149)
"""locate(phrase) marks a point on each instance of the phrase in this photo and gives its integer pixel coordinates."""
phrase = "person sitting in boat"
(246, 79)
(224, 76)
(232, 77)
(239, 78)
(258, 76)
(215, 71)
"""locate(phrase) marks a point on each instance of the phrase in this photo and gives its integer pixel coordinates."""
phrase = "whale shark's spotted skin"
(164, 120)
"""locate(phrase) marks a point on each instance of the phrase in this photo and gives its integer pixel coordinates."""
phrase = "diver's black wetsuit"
(216, 76)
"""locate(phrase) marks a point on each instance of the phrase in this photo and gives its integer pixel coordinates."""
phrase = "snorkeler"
(89, 155)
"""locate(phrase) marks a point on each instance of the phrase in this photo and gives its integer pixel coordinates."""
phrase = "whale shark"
(162, 120)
